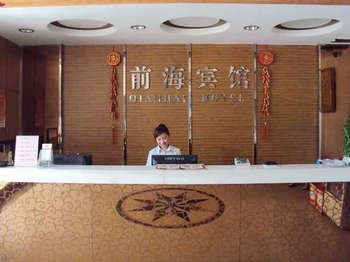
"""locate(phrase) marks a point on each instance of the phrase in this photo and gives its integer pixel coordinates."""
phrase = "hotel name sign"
(174, 77)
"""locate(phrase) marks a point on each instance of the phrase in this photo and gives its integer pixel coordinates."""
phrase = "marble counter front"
(213, 174)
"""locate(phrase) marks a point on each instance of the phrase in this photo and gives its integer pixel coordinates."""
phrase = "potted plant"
(346, 143)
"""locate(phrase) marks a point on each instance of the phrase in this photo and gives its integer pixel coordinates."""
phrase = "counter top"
(213, 174)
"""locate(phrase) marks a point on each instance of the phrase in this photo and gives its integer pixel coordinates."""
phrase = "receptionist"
(161, 135)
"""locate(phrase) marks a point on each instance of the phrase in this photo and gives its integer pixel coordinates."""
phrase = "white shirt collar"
(161, 150)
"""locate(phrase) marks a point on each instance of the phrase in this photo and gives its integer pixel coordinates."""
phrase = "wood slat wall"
(222, 130)
(142, 118)
(293, 125)
(87, 126)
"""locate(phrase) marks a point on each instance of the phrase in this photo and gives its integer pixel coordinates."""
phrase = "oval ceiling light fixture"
(82, 27)
(309, 26)
(26, 30)
(138, 27)
(251, 27)
(195, 25)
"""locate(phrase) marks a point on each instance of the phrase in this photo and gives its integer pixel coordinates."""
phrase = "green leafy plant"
(346, 144)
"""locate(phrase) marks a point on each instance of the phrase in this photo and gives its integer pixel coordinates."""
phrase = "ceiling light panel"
(195, 25)
(81, 27)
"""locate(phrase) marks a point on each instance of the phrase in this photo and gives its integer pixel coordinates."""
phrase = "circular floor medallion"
(170, 207)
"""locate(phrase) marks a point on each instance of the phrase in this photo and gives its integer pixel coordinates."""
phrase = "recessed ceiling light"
(138, 27)
(26, 30)
(251, 27)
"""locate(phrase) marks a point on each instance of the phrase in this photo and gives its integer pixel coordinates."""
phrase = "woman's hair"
(160, 129)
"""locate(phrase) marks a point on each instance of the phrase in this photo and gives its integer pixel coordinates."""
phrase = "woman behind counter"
(161, 135)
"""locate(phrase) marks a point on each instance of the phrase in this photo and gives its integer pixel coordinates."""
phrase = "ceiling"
(196, 23)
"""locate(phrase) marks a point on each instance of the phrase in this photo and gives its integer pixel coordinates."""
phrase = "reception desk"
(139, 213)
(212, 174)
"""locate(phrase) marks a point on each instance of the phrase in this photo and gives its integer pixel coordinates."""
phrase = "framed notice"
(2, 110)
(328, 95)
(26, 152)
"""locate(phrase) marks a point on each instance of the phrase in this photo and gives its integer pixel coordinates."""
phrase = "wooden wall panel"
(332, 123)
(143, 117)
(222, 130)
(293, 125)
(35, 69)
(12, 92)
(9, 84)
(28, 109)
(51, 55)
(87, 127)
(3, 65)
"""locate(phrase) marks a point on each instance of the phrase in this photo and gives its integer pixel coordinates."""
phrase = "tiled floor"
(69, 222)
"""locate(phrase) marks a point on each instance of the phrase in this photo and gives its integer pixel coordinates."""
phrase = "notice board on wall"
(328, 99)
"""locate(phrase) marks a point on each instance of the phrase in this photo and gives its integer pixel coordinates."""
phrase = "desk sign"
(26, 153)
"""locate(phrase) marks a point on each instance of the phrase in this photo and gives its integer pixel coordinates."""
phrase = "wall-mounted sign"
(238, 77)
(173, 77)
(232, 98)
(207, 77)
(165, 98)
(140, 77)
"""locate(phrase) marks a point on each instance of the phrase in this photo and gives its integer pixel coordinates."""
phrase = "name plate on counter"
(26, 153)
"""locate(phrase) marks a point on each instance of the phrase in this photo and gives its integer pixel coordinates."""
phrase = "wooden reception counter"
(139, 213)
(212, 174)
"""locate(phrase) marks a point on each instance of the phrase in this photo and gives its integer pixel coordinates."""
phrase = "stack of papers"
(181, 166)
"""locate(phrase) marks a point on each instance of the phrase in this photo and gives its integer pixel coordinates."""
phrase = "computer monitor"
(174, 159)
